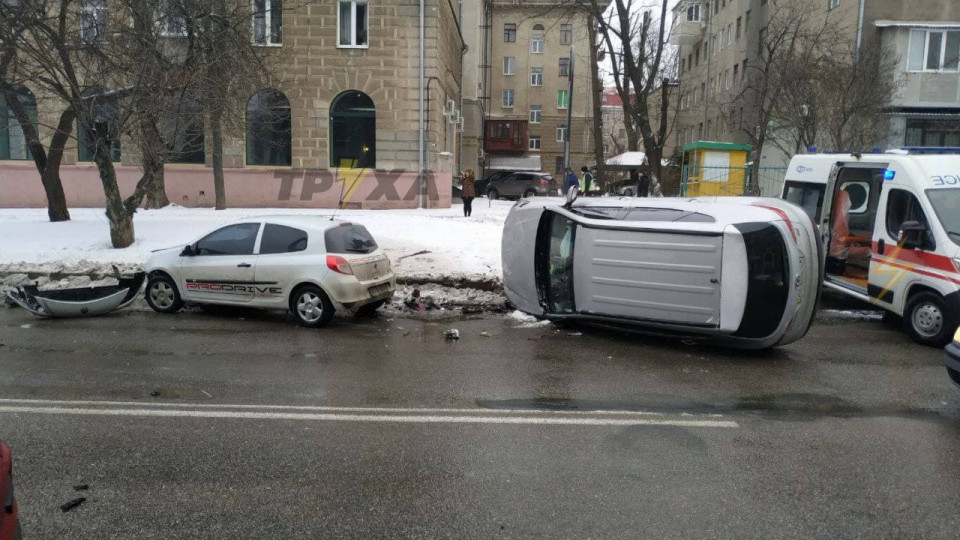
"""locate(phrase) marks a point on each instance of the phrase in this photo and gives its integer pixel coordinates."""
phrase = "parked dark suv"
(483, 183)
(522, 184)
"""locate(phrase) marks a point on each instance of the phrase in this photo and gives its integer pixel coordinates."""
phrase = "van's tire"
(493, 194)
(311, 306)
(530, 193)
(162, 294)
(929, 319)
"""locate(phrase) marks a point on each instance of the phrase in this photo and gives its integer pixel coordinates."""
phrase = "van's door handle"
(880, 246)
(243, 265)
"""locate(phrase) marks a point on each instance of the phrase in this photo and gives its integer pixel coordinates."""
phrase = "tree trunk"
(47, 166)
(216, 128)
(121, 221)
(597, 110)
(151, 146)
(156, 196)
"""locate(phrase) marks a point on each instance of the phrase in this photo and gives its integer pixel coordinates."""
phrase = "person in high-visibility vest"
(586, 180)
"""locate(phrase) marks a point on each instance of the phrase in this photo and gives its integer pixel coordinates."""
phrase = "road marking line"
(415, 419)
(321, 408)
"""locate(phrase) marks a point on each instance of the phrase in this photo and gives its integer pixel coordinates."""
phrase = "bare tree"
(789, 49)
(47, 161)
(598, 90)
(642, 63)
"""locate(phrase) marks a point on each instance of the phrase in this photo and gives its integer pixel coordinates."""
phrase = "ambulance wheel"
(929, 320)
(162, 294)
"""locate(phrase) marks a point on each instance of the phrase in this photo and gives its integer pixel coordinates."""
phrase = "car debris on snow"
(452, 335)
(71, 504)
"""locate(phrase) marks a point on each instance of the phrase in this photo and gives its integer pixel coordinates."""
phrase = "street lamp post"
(566, 135)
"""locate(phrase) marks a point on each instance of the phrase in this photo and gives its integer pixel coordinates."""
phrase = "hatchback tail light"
(339, 265)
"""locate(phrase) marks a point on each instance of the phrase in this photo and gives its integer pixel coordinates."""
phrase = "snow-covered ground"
(457, 247)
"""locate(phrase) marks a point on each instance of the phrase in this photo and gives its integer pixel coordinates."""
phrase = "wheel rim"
(309, 307)
(162, 294)
(927, 320)
(492, 194)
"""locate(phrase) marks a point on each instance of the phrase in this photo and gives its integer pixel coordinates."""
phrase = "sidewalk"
(437, 245)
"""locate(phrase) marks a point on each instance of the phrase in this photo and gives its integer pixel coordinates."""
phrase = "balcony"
(506, 136)
(686, 32)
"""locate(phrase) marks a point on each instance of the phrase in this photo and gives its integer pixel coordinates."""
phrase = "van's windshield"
(946, 203)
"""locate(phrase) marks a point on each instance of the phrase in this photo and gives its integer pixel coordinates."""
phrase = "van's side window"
(903, 206)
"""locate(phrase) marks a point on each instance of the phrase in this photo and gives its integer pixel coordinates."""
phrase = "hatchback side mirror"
(187, 251)
(911, 234)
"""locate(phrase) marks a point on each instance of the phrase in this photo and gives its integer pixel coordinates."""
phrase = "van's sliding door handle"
(243, 265)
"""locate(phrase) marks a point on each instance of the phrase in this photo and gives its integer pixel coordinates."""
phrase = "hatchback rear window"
(349, 238)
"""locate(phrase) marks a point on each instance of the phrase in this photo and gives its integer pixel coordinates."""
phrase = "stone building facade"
(339, 127)
(516, 98)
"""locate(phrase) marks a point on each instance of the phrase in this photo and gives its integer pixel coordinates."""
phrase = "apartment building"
(340, 125)
(614, 124)
(516, 101)
(718, 39)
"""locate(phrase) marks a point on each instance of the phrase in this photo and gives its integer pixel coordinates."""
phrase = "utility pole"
(566, 136)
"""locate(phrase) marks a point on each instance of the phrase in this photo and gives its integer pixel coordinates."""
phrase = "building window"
(536, 76)
(534, 142)
(269, 122)
(536, 114)
(268, 21)
(103, 111)
(509, 65)
(13, 144)
(501, 130)
(933, 50)
(716, 6)
(509, 33)
(739, 29)
(353, 131)
(696, 57)
(564, 67)
(761, 41)
(932, 133)
(563, 99)
(171, 19)
(833, 3)
(566, 34)
(693, 13)
(746, 21)
(562, 134)
(558, 165)
(536, 39)
(184, 132)
(506, 99)
(736, 73)
(729, 34)
(93, 20)
(353, 24)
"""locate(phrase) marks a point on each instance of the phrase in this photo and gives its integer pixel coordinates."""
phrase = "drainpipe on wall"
(420, 163)
(463, 53)
(859, 31)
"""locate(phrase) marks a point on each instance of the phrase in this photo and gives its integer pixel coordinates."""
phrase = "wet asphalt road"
(241, 425)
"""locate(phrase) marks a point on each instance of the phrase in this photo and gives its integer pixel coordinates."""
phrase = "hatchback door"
(222, 267)
(280, 257)
(655, 276)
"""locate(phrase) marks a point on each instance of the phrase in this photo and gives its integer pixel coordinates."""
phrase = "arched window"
(13, 144)
(103, 111)
(536, 39)
(268, 129)
(184, 133)
(353, 131)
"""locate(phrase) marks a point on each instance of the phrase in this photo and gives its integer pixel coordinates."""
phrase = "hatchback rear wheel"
(311, 306)
(493, 194)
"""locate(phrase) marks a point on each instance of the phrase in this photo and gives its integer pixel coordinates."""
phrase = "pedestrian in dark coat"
(468, 191)
(643, 186)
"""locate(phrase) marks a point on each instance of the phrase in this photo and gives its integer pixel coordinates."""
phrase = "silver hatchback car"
(743, 272)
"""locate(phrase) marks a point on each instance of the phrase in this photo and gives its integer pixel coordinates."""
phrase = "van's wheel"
(493, 194)
(162, 295)
(311, 306)
(929, 320)
(530, 193)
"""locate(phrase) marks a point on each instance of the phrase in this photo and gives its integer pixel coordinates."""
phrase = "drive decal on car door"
(257, 288)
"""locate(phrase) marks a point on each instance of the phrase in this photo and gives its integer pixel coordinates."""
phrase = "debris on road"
(81, 487)
(452, 335)
(71, 504)
(484, 334)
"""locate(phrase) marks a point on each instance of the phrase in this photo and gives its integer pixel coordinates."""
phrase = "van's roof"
(921, 169)
(725, 210)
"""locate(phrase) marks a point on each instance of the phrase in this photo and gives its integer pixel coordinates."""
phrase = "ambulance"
(891, 226)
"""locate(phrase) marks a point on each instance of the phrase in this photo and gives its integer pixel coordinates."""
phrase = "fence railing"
(729, 181)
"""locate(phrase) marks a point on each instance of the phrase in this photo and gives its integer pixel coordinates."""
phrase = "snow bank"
(434, 244)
